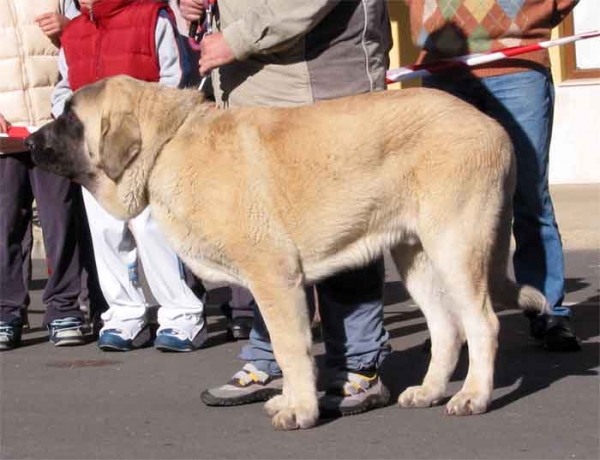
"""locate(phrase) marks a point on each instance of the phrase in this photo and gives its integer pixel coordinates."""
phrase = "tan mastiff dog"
(274, 199)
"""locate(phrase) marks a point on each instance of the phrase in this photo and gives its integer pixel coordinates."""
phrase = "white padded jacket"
(28, 60)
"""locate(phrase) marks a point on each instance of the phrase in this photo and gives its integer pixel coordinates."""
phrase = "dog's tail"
(524, 297)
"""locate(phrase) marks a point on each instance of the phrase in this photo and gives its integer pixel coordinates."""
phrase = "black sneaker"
(238, 328)
(241, 327)
(554, 332)
(66, 332)
(247, 386)
(10, 334)
(351, 393)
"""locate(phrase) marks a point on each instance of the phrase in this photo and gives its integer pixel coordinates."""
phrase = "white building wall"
(575, 147)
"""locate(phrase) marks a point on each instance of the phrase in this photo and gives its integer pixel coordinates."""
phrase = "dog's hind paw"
(467, 403)
(418, 396)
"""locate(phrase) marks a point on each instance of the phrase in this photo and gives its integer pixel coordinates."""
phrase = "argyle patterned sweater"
(446, 28)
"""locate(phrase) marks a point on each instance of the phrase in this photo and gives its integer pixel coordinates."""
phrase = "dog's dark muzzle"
(47, 157)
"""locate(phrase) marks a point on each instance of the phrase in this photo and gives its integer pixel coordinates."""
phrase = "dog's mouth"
(44, 157)
(41, 156)
(49, 160)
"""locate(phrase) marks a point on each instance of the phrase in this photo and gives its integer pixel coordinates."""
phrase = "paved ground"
(80, 403)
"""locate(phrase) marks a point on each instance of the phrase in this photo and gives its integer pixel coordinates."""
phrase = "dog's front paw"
(418, 396)
(276, 404)
(291, 418)
(285, 420)
(467, 403)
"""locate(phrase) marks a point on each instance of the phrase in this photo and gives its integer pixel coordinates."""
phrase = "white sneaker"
(180, 332)
(123, 333)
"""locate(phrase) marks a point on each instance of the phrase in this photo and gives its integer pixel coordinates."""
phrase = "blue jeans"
(523, 103)
(351, 308)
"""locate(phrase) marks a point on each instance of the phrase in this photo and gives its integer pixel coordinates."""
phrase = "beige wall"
(403, 53)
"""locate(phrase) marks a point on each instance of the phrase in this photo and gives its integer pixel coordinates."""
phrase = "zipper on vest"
(98, 44)
(98, 51)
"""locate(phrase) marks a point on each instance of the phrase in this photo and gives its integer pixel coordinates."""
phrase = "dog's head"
(107, 139)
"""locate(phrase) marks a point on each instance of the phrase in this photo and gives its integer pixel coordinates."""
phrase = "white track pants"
(116, 251)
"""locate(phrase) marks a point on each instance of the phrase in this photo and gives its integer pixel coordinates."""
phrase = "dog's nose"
(30, 143)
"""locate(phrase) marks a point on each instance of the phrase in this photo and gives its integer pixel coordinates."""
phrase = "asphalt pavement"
(81, 403)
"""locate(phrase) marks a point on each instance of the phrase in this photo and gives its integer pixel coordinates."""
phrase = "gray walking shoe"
(351, 393)
(247, 386)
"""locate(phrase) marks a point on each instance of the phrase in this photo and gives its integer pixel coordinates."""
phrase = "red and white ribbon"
(19, 132)
(471, 60)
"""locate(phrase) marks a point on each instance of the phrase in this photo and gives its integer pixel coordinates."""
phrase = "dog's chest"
(200, 253)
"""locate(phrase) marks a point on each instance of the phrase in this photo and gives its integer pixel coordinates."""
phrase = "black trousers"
(58, 207)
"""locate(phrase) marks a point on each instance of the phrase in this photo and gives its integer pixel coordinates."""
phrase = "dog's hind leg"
(421, 281)
(464, 266)
(282, 302)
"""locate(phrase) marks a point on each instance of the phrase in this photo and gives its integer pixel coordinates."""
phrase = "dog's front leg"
(284, 309)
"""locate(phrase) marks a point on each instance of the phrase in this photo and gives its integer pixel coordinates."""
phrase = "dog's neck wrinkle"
(132, 189)
(134, 183)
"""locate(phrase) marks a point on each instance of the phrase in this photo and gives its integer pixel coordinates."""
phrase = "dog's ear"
(120, 142)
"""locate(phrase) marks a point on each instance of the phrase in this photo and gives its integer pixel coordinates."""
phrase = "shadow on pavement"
(535, 369)
(575, 284)
(521, 362)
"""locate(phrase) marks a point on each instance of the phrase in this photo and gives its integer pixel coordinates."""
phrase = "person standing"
(519, 94)
(29, 71)
(289, 53)
(137, 38)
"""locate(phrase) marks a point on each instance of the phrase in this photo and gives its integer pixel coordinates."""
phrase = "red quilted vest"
(115, 37)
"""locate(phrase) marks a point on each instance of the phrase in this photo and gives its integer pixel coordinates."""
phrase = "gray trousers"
(351, 308)
(57, 201)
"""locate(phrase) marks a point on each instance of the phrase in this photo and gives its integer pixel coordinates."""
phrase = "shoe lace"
(6, 329)
(347, 383)
(66, 324)
(249, 375)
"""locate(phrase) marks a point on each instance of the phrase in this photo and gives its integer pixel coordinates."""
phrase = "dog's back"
(349, 177)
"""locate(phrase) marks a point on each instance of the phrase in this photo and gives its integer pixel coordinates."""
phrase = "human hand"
(4, 125)
(214, 52)
(52, 24)
(191, 10)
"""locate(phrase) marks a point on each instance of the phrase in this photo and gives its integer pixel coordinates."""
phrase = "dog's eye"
(69, 116)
